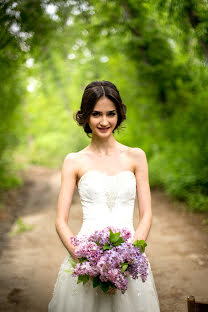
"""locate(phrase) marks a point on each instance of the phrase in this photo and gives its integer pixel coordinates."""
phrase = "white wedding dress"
(106, 200)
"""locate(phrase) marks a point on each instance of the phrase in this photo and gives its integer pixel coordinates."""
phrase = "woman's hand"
(134, 239)
(74, 257)
(137, 236)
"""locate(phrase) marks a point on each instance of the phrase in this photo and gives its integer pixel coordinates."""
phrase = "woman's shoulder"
(134, 151)
(137, 152)
(73, 159)
(137, 157)
(69, 164)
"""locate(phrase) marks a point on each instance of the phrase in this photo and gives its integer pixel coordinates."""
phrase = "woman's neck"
(103, 146)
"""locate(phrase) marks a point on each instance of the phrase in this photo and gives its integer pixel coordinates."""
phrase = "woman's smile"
(103, 129)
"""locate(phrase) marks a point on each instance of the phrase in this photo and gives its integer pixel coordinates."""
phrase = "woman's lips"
(103, 129)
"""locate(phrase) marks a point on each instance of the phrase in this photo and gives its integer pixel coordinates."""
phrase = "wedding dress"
(106, 200)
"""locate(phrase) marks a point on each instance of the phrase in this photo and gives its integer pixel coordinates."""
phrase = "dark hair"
(92, 93)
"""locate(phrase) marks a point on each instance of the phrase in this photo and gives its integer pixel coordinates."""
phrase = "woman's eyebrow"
(111, 111)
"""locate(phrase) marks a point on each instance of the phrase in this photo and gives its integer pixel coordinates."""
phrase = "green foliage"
(141, 244)
(124, 267)
(83, 259)
(25, 28)
(73, 263)
(113, 237)
(83, 279)
(155, 52)
(68, 271)
(9, 173)
(96, 281)
(105, 286)
(180, 165)
(107, 246)
(115, 240)
(21, 227)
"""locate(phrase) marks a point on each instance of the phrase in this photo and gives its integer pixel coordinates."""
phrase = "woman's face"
(103, 118)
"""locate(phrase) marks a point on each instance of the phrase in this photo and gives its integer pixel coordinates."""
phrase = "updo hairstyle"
(92, 93)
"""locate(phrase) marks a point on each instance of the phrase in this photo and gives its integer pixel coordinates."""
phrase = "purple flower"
(111, 264)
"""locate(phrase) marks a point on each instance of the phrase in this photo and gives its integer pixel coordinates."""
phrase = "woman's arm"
(143, 195)
(68, 184)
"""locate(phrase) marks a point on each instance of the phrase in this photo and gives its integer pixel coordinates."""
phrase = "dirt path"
(177, 248)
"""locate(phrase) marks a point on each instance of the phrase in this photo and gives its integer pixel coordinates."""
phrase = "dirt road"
(177, 247)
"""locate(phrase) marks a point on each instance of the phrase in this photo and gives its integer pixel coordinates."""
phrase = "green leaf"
(83, 278)
(104, 286)
(73, 263)
(82, 259)
(124, 266)
(69, 271)
(96, 281)
(141, 244)
(111, 234)
(107, 246)
(97, 243)
(114, 236)
(119, 242)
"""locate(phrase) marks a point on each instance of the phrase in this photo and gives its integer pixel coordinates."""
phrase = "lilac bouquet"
(107, 257)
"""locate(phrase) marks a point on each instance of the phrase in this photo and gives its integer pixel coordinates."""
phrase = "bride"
(109, 176)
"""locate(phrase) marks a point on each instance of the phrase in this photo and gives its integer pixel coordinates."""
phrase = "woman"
(108, 176)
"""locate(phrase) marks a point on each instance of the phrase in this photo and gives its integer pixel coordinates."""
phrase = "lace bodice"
(107, 200)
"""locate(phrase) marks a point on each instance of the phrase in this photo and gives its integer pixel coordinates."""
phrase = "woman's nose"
(104, 121)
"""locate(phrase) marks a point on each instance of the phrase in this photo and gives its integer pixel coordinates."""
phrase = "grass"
(21, 227)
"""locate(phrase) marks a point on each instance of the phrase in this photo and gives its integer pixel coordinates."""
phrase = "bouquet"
(107, 257)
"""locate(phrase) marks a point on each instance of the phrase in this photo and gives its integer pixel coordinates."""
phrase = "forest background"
(156, 53)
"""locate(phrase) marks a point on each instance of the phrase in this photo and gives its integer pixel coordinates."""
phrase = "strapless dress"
(106, 200)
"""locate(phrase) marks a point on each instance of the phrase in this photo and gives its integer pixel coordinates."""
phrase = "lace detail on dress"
(111, 192)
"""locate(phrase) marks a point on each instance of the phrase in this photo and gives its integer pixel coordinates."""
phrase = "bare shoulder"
(133, 152)
(73, 161)
(70, 163)
(138, 158)
(137, 153)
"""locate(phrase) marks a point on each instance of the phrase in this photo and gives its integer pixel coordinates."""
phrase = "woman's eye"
(98, 114)
(95, 114)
